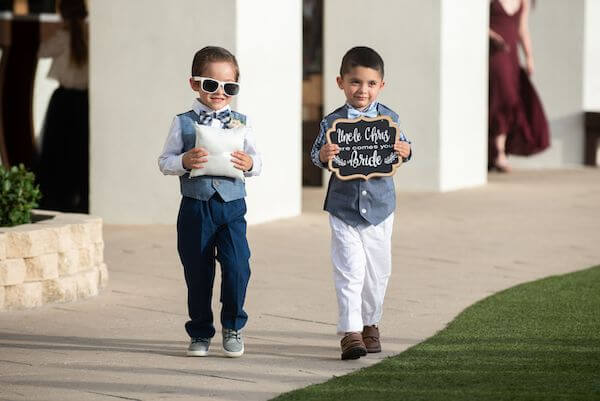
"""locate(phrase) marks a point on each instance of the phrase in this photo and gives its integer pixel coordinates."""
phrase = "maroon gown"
(514, 106)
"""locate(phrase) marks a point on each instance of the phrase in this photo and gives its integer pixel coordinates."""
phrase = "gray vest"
(205, 186)
(358, 201)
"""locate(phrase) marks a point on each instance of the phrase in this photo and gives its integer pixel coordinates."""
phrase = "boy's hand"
(242, 161)
(328, 151)
(402, 149)
(194, 158)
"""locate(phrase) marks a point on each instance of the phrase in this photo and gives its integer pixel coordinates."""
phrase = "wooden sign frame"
(394, 166)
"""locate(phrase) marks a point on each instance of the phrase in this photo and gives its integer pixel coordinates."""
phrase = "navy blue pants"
(208, 231)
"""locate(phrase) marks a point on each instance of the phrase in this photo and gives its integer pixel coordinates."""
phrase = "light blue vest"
(205, 186)
(358, 201)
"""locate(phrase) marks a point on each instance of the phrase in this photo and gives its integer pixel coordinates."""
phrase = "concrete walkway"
(450, 250)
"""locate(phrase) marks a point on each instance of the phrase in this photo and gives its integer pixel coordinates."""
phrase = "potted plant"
(18, 195)
(58, 258)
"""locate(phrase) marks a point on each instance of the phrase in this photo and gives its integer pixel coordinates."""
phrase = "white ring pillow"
(220, 144)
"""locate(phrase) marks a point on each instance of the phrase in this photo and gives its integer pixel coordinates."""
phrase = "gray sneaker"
(198, 346)
(233, 344)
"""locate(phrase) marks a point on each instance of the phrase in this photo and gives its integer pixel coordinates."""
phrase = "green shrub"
(18, 195)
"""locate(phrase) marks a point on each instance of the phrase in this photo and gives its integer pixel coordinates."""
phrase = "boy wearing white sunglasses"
(211, 224)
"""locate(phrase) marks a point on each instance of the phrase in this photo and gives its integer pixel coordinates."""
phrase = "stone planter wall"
(57, 259)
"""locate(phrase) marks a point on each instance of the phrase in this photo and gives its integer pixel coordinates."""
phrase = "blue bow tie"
(223, 116)
(353, 113)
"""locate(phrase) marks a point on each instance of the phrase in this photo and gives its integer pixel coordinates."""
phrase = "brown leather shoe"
(353, 346)
(370, 336)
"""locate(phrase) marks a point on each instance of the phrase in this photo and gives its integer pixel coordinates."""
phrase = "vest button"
(363, 211)
(364, 193)
(216, 182)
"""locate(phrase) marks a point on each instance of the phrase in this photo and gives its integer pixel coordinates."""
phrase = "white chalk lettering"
(373, 134)
(357, 159)
(344, 137)
(363, 147)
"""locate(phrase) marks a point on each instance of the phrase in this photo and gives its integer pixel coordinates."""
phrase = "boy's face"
(361, 85)
(221, 71)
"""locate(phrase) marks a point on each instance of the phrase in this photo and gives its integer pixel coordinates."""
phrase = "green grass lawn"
(536, 341)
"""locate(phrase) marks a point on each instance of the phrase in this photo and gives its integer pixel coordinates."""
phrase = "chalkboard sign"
(366, 147)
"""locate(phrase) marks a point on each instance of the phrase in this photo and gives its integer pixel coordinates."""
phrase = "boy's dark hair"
(211, 54)
(361, 56)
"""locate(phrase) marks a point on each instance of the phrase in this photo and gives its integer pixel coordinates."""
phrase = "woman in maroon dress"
(517, 124)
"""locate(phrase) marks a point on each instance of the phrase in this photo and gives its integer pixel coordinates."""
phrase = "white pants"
(362, 264)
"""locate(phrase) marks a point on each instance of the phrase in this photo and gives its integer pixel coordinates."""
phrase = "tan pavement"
(450, 250)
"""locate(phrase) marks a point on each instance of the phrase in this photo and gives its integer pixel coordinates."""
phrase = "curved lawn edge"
(536, 341)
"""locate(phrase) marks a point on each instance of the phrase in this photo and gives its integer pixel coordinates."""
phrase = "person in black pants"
(63, 167)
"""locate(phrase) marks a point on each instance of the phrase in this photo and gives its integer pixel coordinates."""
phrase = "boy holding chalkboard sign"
(361, 211)
(211, 148)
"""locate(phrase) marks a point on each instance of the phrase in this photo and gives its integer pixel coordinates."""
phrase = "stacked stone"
(60, 259)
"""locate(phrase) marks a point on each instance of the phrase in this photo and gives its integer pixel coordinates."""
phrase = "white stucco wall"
(591, 77)
(441, 98)
(464, 94)
(557, 35)
(141, 54)
(269, 51)
(406, 36)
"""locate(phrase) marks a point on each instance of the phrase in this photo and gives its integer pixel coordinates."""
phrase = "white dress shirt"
(170, 161)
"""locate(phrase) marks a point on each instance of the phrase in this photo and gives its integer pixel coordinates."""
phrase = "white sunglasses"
(210, 85)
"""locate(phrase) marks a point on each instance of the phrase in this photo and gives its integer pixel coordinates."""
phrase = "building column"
(591, 77)
(435, 55)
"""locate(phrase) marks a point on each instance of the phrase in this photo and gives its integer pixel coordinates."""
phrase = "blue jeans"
(208, 231)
